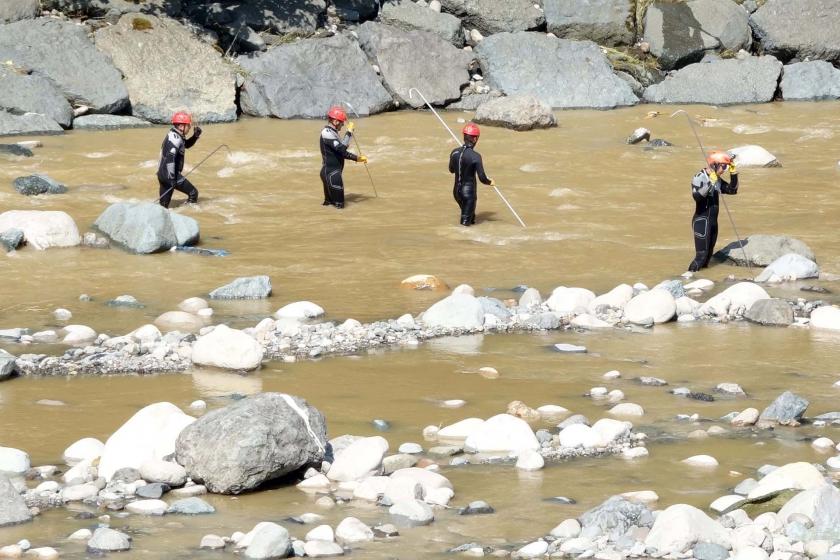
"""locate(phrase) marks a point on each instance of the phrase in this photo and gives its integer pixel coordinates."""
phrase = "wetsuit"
(704, 224)
(466, 163)
(333, 153)
(172, 164)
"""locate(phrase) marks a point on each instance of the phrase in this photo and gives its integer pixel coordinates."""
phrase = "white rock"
(14, 460)
(821, 504)
(299, 310)
(212, 542)
(198, 405)
(610, 375)
(536, 549)
(322, 549)
(146, 334)
(609, 431)
(149, 434)
(46, 337)
(147, 507)
(833, 463)
(724, 504)
(793, 476)
(552, 412)
(430, 433)
(81, 472)
(747, 417)
(228, 349)
(530, 298)
(427, 479)
(686, 306)
(43, 553)
(193, 305)
(530, 460)
(371, 488)
(79, 492)
(360, 459)
(435, 6)
(750, 553)
(412, 512)
(634, 453)
(614, 300)
(156, 470)
(568, 529)
(457, 311)
(701, 284)
(822, 444)
(410, 448)
(62, 314)
(826, 317)
(502, 432)
(789, 267)
(570, 301)
(734, 301)
(616, 395)
(461, 430)
(579, 435)
(80, 535)
(48, 487)
(321, 533)
(315, 483)
(439, 496)
(453, 403)
(587, 321)
(42, 229)
(84, 449)
(266, 540)
(401, 489)
(464, 289)
(598, 392)
(701, 461)
(656, 305)
(627, 409)
(642, 496)
(680, 526)
(78, 334)
(179, 321)
(352, 531)
(753, 156)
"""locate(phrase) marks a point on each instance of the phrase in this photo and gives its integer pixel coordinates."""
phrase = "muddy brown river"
(599, 213)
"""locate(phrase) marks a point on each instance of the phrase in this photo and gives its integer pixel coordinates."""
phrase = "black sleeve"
(452, 161)
(729, 188)
(190, 142)
(170, 162)
(479, 168)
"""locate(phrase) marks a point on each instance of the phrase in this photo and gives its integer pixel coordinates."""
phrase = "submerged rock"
(257, 439)
(38, 184)
(786, 410)
(13, 509)
(105, 539)
(518, 112)
(248, 287)
(772, 312)
(108, 122)
(143, 227)
(764, 249)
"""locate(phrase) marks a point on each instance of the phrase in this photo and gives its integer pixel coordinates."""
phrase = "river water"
(599, 213)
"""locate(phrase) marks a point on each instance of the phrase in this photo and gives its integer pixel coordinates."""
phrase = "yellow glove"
(351, 126)
(713, 177)
(362, 159)
(492, 182)
(732, 169)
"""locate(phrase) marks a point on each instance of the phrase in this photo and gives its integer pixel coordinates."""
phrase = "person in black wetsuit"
(172, 160)
(333, 153)
(466, 163)
(706, 187)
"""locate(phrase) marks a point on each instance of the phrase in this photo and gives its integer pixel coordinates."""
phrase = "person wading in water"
(706, 187)
(333, 153)
(466, 163)
(172, 160)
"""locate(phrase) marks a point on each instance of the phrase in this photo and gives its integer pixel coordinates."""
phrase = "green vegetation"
(141, 24)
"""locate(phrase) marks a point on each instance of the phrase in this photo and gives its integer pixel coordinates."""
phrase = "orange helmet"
(181, 118)
(472, 130)
(337, 113)
(719, 157)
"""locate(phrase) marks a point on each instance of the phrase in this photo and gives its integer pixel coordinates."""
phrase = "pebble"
(701, 461)
(570, 348)
(453, 403)
(410, 448)
(62, 314)
(147, 507)
(614, 374)
(822, 444)
(833, 463)
(489, 373)
(381, 425)
(478, 507)
(212, 542)
(530, 460)
(198, 405)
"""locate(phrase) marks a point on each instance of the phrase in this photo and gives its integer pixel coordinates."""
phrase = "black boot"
(326, 203)
(465, 222)
(339, 205)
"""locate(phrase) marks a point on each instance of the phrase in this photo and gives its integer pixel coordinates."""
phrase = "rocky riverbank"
(608, 54)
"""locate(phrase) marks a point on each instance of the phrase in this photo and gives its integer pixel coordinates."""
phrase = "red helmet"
(181, 118)
(472, 130)
(337, 113)
(719, 157)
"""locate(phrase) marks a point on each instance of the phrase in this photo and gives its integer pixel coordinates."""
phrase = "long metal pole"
(359, 148)
(723, 198)
(429, 105)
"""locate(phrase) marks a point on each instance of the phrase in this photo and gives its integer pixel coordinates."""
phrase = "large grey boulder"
(816, 79)
(38, 184)
(786, 410)
(98, 8)
(801, 29)
(108, 122)
(410, 16)
(247, 287)
(722, 82)
(561, 73)
(356, 10)
(764, 249)
(15, 10)
(7, 364)
(607, 22)
(613, 518)
(439, 73)
(206, 86)
(679, 33)
(13, 509)
(770, 312)
(519, 112)
(472, 101)
(143, 227)
(257, 439)
(28, 93)
(26, 124)
(61, 52)
(187, 232)
(326, 72)
(496, 16)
